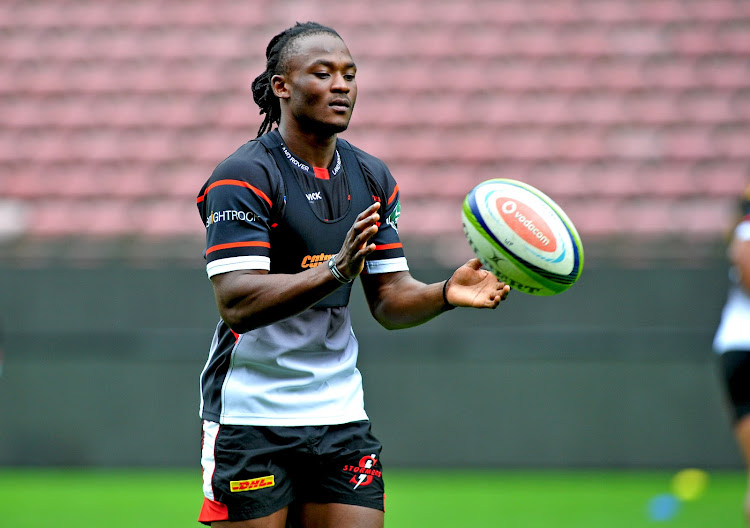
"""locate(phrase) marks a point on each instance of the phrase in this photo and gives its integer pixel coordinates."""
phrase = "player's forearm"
(249, 300)
(408, 302)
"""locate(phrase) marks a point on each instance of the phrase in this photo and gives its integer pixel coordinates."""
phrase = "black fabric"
(301, 239)
(735, 371)
(325, 464)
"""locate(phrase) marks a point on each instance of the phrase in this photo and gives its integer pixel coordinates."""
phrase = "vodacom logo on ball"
(527, 224)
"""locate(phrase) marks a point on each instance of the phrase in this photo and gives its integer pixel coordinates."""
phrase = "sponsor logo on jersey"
(251, 484)
(230, 215)
(527, 224)
(294, 161)
(311, 261)
(337, 166)
(311, 197)
(297, 163)
(392, 220)
(364, 472)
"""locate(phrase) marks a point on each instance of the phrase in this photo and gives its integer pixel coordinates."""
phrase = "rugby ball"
(522, 236)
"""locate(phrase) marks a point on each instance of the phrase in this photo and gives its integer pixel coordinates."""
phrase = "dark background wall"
(102, 367)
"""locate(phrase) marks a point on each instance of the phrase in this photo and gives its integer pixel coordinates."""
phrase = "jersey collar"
(333, 169)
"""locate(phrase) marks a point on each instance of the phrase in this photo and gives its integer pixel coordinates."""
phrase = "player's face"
(320, 87)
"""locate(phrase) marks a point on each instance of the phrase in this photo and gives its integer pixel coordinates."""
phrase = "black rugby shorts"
(735, 370)
(253, 471)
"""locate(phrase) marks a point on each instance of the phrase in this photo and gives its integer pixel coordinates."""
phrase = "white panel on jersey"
(299, 371)
(250, 262)
(386, 265)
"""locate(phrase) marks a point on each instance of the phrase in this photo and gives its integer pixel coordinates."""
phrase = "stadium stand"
(634, 116)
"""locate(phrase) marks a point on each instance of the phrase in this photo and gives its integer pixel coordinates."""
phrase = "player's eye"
(322, 75)
(349, 77)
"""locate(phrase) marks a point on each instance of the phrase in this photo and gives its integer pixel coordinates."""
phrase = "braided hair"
(277, 55)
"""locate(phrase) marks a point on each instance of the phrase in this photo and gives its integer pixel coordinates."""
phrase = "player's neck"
(314, 149)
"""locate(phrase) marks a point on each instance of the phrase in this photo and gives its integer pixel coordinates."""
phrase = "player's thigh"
(275, 520)
(315, 515)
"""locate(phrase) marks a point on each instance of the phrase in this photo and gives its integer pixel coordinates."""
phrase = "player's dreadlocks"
(276, 63)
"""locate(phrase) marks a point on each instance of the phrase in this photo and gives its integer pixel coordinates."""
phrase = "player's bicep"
(232, 286)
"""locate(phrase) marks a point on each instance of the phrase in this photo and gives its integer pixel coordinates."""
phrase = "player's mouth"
(340, 105)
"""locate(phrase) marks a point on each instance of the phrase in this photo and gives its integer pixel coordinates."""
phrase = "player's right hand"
(351, 258)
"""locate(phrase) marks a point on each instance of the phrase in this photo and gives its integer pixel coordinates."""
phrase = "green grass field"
(431, 499)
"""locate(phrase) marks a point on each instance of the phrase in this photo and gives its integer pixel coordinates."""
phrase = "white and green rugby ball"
(522, 236)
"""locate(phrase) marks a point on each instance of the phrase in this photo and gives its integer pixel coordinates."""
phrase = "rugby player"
(292, 218)
(732, 339)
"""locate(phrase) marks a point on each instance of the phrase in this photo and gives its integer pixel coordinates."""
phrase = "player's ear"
(279, 86)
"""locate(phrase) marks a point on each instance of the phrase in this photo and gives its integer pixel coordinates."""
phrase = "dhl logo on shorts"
(252, 484)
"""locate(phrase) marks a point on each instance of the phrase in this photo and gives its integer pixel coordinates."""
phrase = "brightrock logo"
(230, 215)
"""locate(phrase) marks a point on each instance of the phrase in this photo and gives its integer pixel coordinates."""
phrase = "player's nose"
(340, 84)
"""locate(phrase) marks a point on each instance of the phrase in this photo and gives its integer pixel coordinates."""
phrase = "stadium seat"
(59, 218)
(627, 111)
(166, 219)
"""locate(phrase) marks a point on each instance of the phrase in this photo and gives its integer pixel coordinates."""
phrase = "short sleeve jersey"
(301, 370)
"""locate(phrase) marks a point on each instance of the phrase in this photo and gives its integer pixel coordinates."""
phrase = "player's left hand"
(472, 286)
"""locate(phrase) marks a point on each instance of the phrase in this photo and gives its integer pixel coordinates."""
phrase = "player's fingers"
(367, 212)
(495, 302)
(499, 295)
(366, 250)
(366, 218)
(363, 224)
(474, 263)
(362, 230)
(364, 236)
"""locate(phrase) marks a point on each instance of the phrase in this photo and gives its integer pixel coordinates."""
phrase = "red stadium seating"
(629, 113)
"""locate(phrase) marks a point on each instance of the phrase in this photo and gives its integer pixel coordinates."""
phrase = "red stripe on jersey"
(213, 511)
(237, 244)
(321, 173)
(393, 196)
(238, 183)
(383, 247)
